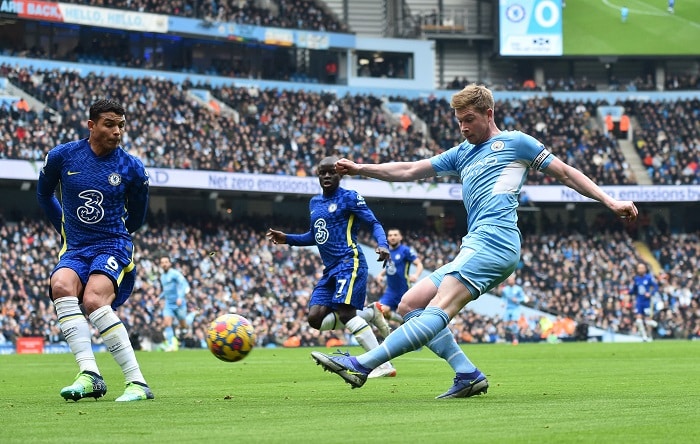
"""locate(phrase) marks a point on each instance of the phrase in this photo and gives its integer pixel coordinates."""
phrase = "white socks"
(76, 331)
(362, 332)
(116, 339)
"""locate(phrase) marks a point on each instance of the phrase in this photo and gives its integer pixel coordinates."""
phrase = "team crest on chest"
(332, 207)
(497, 145)
(114, 179)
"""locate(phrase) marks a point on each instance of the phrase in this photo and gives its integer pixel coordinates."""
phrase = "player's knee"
(64, 287)
(92, 301)
(315, 320)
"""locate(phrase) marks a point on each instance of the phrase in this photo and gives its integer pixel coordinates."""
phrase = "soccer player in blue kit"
(174, 289)
(103, 198)
(492, 165)
(339, 296)
(397, 273)
(643, 287)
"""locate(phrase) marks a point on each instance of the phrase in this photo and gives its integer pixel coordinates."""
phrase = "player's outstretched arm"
(576, 180)
(390, 172)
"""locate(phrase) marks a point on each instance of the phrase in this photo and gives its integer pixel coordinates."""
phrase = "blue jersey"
(397, 270)
(643, 288)
(174, 286)
(492, 174)
(334, 226)
(103, 198)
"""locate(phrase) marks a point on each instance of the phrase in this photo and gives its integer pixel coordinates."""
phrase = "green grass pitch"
(594, 27)
(540, 393)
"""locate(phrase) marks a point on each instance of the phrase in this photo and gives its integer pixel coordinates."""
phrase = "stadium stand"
(668, 140)
(297, 14)
(232, 267)
(176, 137)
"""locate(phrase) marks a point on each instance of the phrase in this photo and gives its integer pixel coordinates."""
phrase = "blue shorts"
(120, 268)
(488, 255)
(175, 311)
(391, 298)
(643, 307)
(343, 284)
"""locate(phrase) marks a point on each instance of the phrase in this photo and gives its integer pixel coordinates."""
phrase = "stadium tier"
(288, 131)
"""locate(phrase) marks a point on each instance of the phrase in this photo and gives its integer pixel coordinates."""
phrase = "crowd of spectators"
(565, 127)
(287, 132)
(574, 275)
(668, 140)
(674, 82)
(297, 14)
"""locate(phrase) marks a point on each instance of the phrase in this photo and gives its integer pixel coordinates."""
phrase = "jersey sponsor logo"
(360, 200)
(497, 145)
(479, 166)
(114, 179)
(91, 211)
(73, 173)
(322, 234)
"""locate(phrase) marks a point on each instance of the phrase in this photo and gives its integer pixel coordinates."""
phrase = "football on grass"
(231, 337)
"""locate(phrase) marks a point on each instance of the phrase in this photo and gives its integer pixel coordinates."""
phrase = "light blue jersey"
(492, 174)
(514, 296)
(174, 286)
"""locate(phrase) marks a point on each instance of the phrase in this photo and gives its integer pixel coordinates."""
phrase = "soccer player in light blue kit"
(643, 287)
(492, 165)
(514, 296)
(104, 198)
(338, 298)
(174, 290)
(398, 276)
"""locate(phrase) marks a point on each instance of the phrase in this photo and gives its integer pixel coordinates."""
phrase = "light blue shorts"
(488, 255)
(175, 311)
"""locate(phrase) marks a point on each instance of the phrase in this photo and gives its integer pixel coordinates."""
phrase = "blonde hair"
(475, 96)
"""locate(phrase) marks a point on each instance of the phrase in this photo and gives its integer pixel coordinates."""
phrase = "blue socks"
(445, 346)
(442, 344)
(411, 335)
